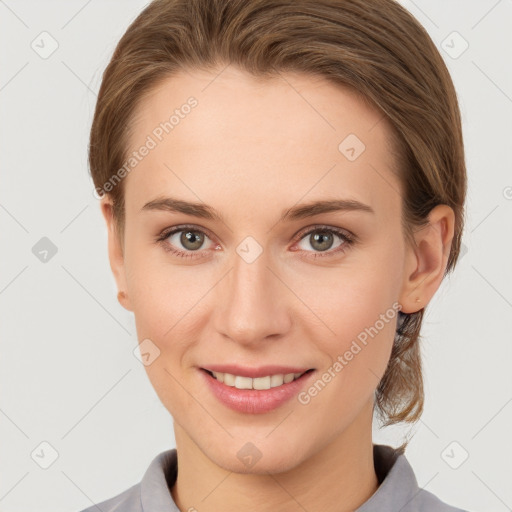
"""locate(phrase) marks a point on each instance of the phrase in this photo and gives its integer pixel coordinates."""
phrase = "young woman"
(283, 184)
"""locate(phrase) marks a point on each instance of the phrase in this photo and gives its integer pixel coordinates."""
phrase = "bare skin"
(251, 149)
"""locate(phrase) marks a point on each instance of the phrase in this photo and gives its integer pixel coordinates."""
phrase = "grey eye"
(321, 240)
(189, 239)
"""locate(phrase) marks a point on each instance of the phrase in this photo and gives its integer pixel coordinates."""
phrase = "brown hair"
(375, 47)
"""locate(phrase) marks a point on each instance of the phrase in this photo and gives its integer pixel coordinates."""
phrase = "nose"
(252, 302)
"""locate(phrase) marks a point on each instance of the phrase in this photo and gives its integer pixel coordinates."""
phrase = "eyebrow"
(302, 211)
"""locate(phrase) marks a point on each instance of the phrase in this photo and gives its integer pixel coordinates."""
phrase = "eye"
(322, 239)
(188, 241)
(189, 238)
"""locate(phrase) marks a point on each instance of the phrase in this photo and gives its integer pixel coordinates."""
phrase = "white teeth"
(243, 382)
(261, 382)
(270, 381)
(229, 379)
(289, 377)
(276, 380)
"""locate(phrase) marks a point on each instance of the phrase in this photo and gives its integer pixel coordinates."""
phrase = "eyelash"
(348, 239)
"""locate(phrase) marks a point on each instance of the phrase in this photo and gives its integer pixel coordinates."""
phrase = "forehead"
(284, 137)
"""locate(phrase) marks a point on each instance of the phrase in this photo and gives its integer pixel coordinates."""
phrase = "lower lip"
(253, 401)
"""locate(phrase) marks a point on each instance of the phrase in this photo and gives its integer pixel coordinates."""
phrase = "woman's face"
(253, 286)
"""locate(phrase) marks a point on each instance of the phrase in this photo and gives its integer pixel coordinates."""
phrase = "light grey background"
(68, 375)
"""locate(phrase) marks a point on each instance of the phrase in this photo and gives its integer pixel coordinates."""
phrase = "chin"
(254, 459)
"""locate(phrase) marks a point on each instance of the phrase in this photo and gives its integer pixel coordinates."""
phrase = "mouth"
(258, 383)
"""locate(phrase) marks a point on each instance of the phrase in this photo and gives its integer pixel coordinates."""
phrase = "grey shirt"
(398, 489)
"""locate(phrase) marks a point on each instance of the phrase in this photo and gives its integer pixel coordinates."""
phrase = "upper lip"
(260, 371)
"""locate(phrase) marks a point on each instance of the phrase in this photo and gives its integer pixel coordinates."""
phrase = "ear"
(115, 251)
(426, 261)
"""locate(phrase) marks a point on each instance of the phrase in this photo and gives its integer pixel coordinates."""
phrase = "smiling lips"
(255, 390)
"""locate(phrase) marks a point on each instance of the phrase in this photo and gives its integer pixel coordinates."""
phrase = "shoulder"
(425, 501)
(151, 493)
(126, 501)
(398, 488)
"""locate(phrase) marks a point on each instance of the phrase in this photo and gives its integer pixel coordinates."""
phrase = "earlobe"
(426, 261)
(115, 252)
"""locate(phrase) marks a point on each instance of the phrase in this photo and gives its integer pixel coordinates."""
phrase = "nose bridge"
(251, 299)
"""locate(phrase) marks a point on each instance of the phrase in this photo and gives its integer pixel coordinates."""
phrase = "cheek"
(161, 293)
(354, 294)
(166, 302)
(357, 302)
(358, 352)
(169, 304)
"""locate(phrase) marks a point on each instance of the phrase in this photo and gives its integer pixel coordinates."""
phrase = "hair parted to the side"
(374, 47)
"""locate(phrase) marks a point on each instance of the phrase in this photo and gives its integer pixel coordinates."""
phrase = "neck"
(339, 477)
